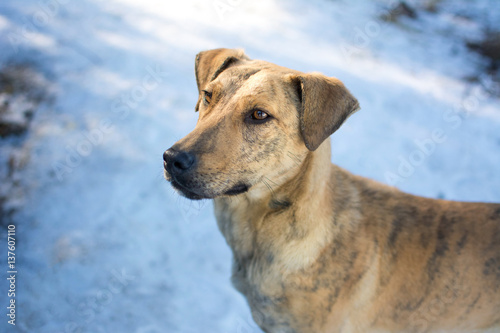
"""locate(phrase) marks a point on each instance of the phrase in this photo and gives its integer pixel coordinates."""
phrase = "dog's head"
(257, 121)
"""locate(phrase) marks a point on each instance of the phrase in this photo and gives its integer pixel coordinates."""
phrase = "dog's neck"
(252, 222)
(304, 178)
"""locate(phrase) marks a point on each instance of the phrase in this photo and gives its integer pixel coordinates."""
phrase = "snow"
(106, 245)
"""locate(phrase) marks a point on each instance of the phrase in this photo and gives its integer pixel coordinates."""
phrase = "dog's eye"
(259, 115)
(207, 97)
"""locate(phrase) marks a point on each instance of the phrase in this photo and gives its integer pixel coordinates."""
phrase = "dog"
(316, 248)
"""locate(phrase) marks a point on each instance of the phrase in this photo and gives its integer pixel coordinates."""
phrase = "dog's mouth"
(188, 193)
(199, 194)
(237, 189)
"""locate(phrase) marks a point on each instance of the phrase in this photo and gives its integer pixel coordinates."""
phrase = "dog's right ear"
(325, 105)
(209, 64)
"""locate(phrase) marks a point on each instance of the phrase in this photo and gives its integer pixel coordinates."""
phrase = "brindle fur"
(317, 249)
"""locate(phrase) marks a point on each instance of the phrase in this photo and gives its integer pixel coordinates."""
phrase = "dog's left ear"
(325, 105)
(209, 64)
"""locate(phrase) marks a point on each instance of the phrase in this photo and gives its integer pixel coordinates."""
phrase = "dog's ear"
(209, 64)
(325, 103)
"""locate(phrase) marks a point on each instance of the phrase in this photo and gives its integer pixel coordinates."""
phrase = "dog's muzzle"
(181, 171)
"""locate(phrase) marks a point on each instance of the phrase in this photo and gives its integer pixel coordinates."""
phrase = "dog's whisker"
(294, 157)
(268, 186)
(269, 180)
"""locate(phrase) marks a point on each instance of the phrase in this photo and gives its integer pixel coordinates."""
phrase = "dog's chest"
(254, 270)
(264, 294)
(251, 263)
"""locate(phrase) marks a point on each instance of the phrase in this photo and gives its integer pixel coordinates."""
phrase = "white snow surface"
(106, 245)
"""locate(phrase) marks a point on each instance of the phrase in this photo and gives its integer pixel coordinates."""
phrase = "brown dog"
(317, 249)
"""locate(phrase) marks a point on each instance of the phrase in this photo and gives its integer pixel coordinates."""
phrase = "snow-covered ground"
(104, 243)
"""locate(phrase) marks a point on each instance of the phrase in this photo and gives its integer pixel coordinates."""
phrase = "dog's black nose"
(178, 162)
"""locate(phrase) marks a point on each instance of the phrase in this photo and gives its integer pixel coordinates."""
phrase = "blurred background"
(92, 92)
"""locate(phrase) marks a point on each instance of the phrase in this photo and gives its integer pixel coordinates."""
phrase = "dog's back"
(439, 260)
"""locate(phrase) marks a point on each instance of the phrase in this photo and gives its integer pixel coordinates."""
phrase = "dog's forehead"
(254, 77)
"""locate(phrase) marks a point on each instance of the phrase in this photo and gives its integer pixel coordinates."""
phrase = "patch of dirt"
(402, 9)
(23, 90)
(487, 76)
(489, 48)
